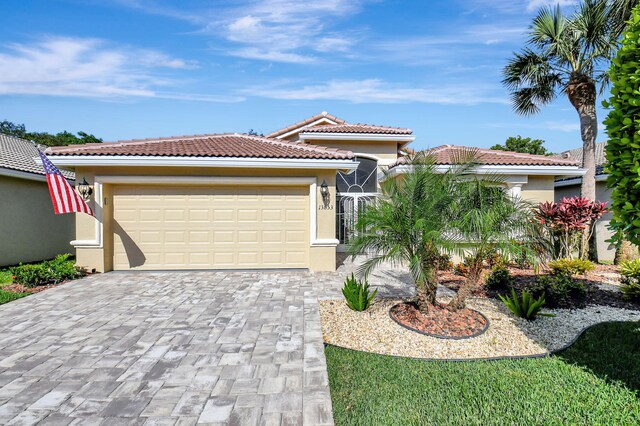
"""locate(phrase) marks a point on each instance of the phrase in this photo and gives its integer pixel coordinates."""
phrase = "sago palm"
(410, 224)
(566, 55)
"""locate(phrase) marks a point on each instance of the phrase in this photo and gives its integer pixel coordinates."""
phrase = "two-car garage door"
(213, 227)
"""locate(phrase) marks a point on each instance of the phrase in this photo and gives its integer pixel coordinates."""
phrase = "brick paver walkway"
(168, 348)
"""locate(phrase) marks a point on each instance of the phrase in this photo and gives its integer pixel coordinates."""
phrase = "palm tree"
(566, 55)
(491, 221)
(429, 211)
(409, 224)
(619, 14)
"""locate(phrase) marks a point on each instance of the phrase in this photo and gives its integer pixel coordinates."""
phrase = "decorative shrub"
(571, 266)
(566, 220)
(493, 258)
(526, 306)
(630, 272)
(499, 278)
(48, 272)
(523, 258)
(356, 294)
(444, 262)
(560, 290)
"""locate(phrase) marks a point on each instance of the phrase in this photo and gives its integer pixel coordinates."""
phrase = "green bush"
(357, 294)
(494, 258)
(499, 278)
(526, 306)
(571, 266)
(630, 272)
(623, 130)
(560, 290)
(48, 272)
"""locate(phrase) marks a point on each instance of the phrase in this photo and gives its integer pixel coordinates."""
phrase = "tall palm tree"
(409, 224)
(620, 13)
(566, 55)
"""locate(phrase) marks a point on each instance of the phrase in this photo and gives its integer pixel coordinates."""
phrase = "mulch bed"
(523, 277)
(440, 321)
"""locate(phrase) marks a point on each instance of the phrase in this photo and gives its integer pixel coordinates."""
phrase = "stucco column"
(514, 190)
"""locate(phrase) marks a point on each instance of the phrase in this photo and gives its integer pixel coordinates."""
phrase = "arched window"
(363, 180)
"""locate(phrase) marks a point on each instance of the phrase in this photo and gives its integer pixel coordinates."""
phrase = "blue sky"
(124, 69)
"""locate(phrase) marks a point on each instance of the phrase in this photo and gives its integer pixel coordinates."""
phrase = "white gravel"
(374, 331)
(555, 332)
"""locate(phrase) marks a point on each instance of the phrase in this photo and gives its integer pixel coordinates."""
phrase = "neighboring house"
(237, 201)
(29, 229)
(571, 187)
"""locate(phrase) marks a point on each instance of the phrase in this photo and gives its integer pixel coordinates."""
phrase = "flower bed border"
(479, 333)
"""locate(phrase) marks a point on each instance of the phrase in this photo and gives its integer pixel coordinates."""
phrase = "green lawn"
(594, 382)
(5, 277)
(8, 296)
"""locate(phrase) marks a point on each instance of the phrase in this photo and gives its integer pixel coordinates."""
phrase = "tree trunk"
(581, 91)
(472, 280)
(426, 291)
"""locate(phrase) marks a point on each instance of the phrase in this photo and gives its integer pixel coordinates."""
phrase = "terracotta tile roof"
(306, 122)
(446, 155)
(358, 128)
(216, 145)
(18, 154)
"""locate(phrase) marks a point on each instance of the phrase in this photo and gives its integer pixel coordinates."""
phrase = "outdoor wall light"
(324, 191)
(84, 189)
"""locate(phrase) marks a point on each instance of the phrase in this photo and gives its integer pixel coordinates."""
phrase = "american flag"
(65, 199)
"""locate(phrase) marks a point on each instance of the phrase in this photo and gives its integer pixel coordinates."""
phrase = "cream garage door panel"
(210, 227)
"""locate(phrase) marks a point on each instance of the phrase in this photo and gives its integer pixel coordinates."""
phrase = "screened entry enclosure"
(355, 191)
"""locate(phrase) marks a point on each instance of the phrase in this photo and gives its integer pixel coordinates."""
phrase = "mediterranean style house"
(238, 201)
(29, 230)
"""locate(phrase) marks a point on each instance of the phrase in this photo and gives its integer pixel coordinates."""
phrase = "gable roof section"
(216, 145)
(18, 155)
(576, 155)
(318, 118)
(446, 155)
(358, 128)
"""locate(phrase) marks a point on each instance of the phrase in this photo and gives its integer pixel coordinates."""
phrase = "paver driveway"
(168, 348)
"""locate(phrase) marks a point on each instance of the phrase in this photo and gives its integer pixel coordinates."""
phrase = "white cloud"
(92, 68)
(379, 91)
(560, 126)
(286, 30)
(272, 55)
(511, 7)
(563, 126)
(533, 5)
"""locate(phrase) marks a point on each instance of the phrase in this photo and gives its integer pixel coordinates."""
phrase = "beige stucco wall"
(29, 229)
(385, 151)
(538, 189)
(605, 250)
(322, 258)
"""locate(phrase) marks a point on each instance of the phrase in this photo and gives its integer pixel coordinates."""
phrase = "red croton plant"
(567, 219)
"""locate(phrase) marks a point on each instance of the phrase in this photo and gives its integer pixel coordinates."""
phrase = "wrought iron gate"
(349, 206)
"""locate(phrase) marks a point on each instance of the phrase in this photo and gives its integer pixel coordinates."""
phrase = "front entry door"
(355, 191)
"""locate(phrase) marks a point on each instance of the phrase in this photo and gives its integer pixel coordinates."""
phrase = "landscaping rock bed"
(507, 336)
(440, 322)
